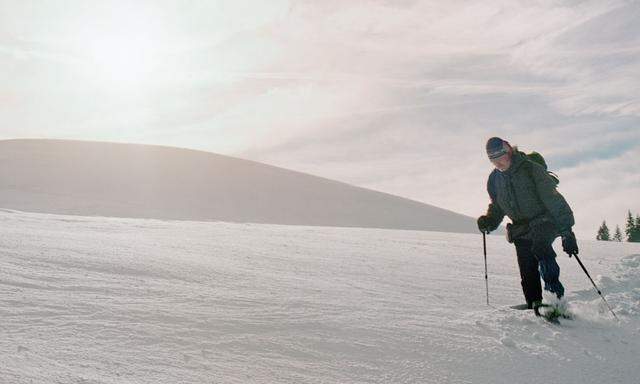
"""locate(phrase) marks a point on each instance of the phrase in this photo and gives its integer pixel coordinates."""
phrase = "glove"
(484, 224)
(569, 243)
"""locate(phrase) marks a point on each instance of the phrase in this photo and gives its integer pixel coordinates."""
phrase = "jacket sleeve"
(494, 212)
(553, 201)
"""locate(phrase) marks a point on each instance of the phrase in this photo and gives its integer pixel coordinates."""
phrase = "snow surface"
(89, 178)
(107, 300)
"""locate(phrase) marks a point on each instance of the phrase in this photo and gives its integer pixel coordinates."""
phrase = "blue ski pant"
(536, 258)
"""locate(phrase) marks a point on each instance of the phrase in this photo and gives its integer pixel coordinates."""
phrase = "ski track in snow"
(107, 300)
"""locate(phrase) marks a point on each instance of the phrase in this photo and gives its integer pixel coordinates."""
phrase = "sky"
(397, 96)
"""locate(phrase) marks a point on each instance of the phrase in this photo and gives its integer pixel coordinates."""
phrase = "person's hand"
(484, 224)
(569, 243)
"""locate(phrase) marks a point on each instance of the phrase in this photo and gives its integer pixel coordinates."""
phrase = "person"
(524, 191)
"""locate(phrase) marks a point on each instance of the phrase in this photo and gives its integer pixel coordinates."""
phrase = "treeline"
(631, 232)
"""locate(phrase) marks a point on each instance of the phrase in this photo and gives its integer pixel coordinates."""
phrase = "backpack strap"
(550, 174)
(491, 187)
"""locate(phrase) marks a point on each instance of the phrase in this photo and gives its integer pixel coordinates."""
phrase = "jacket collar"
(517, 161)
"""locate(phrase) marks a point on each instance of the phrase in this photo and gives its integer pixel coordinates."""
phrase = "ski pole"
(595, 286)
(486, 275)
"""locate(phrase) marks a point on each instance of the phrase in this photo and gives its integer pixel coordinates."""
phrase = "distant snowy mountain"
(141, 181)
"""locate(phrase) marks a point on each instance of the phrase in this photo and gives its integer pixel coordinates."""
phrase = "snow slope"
(146, 181)
(107, 300)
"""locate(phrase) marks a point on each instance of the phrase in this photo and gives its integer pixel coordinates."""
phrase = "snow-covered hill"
(107, 300)
(142, 181)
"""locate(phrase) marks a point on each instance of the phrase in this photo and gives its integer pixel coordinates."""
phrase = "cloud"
(397, 96)
(436, 91)
(594, 60)
(603, 190)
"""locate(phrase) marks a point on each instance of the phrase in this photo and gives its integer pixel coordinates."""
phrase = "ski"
(551, 313)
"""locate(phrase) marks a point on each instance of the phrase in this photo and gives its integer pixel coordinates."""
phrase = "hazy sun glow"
(123, 60)
(126, 50)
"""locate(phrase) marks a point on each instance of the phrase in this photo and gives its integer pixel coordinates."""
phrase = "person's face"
(503, 162)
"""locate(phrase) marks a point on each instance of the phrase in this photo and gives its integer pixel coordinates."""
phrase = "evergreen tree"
(631, 229)
(636, 230)
(603, 232)
(618, 234)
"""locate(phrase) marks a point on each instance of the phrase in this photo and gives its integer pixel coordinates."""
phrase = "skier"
(524, 191)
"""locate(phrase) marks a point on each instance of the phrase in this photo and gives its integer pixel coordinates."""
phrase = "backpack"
(533, 157)
(537, 158)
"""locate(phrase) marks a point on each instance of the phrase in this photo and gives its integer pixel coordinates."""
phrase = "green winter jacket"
(527, 195)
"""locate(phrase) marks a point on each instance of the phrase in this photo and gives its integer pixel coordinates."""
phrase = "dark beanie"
(495, 147)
